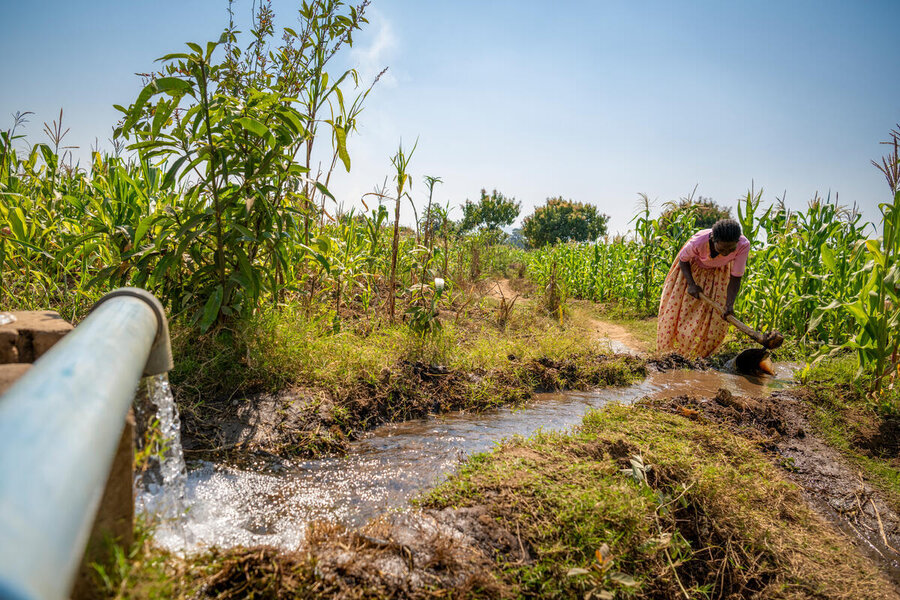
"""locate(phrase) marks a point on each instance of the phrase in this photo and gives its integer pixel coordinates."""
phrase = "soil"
(881, 441)
(408, 555)
(781, 427)
(501, 289)
(301, 422)
(620, 336)
(674, 361)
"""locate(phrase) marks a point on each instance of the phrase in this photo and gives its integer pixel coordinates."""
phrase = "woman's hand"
(729, 310)
(694, 290)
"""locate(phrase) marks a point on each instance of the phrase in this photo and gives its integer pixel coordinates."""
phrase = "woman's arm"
(734, 284)
(692, 288)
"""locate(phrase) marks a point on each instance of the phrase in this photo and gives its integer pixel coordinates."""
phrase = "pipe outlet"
(160, 359)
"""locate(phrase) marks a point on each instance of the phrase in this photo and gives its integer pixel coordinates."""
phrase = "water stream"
(381, 472)
(161, 482)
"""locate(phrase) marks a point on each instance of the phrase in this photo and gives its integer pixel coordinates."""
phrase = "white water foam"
(160, 490)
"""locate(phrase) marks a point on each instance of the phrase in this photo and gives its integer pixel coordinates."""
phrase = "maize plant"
(872, 283)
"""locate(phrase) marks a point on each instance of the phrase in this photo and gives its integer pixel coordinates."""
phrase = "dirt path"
(500, 289)
(619, 338)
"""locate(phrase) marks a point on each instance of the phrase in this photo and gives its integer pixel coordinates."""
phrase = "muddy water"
(230, 507)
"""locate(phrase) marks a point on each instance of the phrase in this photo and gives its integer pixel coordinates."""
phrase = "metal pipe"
(59, 428)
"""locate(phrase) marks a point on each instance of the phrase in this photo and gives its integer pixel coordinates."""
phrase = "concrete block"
(10, 373)
(32, 333)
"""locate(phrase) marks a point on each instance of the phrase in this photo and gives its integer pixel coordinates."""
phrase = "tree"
(490, 212)
(563, 220)
(706, 212)
(517, 239)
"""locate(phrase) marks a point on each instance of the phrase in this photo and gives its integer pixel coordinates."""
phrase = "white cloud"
(370, 59)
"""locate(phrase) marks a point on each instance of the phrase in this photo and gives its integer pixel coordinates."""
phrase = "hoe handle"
(759, 337)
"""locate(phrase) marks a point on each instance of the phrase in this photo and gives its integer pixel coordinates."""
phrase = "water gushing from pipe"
(161, 475)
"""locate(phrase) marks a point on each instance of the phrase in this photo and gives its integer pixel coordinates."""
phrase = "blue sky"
(595, 101)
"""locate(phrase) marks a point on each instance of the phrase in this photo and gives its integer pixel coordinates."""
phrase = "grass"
(280, 348)
(857, 426)
(640, 503)
(366, 374)
(140, 571)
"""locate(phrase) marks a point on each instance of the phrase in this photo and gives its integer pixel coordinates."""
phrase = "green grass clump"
(277, 349)
(641, 503)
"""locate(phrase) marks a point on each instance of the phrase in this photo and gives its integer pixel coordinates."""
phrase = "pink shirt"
(696, 252)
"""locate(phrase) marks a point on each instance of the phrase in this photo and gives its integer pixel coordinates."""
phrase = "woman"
(712, 262)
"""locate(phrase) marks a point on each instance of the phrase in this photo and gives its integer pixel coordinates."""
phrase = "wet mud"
(673, 361)
(406, 554)
(309, 422)
(780, 425)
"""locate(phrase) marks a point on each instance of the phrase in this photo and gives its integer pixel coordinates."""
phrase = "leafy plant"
(401, 163)
(704, 212)
(491, 212)
(422, 311)
(874, 288)
(230, 129)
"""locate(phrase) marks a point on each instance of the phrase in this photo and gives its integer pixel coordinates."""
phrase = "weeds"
(710, 518)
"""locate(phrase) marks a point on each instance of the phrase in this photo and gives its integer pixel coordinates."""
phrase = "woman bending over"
(712, 262)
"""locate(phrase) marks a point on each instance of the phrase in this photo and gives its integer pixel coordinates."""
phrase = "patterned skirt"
(688, 326)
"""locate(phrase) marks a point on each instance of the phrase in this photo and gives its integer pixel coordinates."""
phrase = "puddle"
(381, 472)
(674, 383)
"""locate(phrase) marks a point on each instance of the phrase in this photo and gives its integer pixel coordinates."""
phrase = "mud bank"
(653, 502)
(426, 554)
(781, 427)
(304, 421)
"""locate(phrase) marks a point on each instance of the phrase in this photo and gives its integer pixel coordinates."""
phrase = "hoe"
(753, 360)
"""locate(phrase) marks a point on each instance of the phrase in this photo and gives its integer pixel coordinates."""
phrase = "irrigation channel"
(225, 507)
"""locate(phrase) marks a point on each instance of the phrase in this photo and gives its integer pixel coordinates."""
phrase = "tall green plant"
(401, 164)
(646, 234)
(876, 306)
(230, 129)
